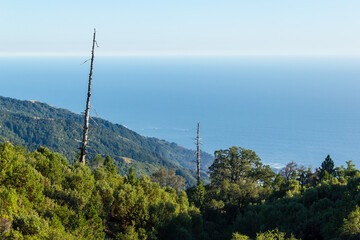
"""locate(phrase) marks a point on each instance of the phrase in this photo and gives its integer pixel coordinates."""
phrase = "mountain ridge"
(34, 124)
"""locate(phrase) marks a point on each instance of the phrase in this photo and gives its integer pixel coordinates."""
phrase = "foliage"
(168, 179)
(238, 177)
(196, 195)
(327, 168)
(351, 227)
(238, 236)
(273, 235)
(43, 197)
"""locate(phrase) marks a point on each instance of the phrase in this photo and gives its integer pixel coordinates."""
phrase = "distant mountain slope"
(34, 123)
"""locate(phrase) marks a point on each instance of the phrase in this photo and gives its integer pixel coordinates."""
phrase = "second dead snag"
(87, 110)
(198, 152)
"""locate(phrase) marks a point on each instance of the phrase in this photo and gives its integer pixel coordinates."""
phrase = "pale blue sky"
(196, 27)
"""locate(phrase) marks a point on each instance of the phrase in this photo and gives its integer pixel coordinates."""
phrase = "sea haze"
(284, 108)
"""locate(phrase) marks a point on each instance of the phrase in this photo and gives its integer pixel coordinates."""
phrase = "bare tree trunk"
(87, 116)
(198, 152)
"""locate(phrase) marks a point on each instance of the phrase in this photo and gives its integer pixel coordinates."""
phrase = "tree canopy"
(44, 197)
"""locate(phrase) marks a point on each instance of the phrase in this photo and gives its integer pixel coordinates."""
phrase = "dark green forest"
(34, 124)
(42, 196)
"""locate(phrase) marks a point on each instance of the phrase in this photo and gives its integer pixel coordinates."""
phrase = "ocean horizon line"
(172, 54)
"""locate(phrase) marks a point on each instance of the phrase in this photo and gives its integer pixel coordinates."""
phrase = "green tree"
(327, 166)
(303, 176)
(278, 181)
(168, 179)
(130, 178)
(351, 226)
(238, 177)
(273, 235)
(238, 164)
(110, 166)
(130, 233)
(8, 207)
(196, 195)
(350, 171)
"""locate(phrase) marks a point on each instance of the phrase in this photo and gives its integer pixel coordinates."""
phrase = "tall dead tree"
(198, 152)
(87, 110)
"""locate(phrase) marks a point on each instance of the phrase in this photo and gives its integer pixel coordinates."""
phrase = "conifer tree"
(327, 166)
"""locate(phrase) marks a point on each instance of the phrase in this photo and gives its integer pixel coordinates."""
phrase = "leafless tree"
(87, 116)
(198, 152)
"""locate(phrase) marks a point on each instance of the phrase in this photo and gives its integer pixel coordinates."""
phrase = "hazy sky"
(167, 27)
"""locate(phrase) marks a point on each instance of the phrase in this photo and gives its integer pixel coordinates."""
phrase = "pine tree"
(327, 166)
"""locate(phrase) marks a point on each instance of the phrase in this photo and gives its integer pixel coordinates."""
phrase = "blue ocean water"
(284, 108)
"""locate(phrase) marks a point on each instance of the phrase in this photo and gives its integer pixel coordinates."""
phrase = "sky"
(165, 27)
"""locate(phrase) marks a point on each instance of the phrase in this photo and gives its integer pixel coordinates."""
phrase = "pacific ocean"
(284, 108)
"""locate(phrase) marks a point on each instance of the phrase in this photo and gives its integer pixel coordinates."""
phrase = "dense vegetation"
(246, 197)
(34, 124)
(44, 197)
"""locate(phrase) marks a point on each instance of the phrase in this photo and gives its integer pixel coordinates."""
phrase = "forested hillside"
(34, 124)
(44, 197)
